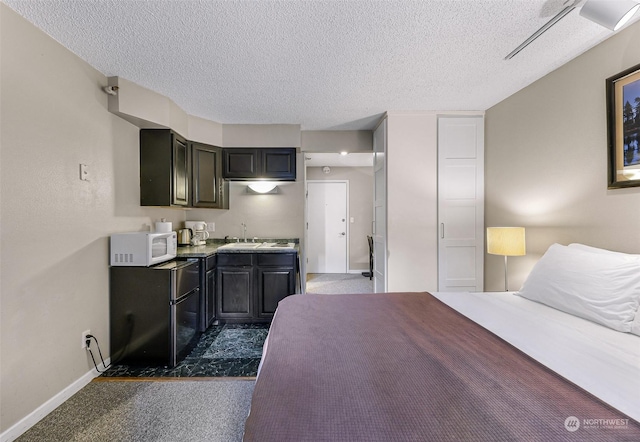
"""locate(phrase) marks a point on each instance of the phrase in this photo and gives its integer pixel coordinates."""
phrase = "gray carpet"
(189, 410)
(338, 283)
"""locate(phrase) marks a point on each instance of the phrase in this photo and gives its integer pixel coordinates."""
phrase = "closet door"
(460, 203)
(380, 208)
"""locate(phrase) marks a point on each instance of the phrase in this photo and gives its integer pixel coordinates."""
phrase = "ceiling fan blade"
(559, 16)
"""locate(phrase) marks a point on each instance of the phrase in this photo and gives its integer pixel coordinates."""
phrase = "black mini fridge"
(154, 313)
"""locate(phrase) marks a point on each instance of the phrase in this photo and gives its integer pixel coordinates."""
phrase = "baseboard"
(357, 271)
(34, 417)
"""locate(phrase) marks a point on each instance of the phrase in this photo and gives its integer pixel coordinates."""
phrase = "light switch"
(84, 172)
(352, 220)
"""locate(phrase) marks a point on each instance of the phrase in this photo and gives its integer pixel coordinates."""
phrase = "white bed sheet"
(602, 361)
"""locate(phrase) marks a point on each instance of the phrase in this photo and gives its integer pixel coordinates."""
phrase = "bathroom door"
(327, 227)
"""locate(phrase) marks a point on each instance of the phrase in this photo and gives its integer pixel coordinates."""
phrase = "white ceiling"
(326, 65)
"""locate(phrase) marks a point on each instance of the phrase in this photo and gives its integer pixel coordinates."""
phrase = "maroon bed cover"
(406, 367)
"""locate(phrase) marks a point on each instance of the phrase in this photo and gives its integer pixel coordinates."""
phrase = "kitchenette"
(170, 284)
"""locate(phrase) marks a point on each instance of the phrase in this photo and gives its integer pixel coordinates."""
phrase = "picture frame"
(623, 128)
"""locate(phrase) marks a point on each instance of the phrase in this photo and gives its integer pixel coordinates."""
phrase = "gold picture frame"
(623, 127)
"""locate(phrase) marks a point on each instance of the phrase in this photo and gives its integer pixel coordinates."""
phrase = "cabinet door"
(164, 171)
(460, 203)
(206, 177)
(278, 163)
(209, 300)
(241, 163)
(234, 289)
(180, 171)
(274, 284)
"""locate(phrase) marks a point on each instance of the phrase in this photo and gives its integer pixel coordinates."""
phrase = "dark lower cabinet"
(209, 295)
(234, 293)
(250, 285)
(276, 276)
(234, 286)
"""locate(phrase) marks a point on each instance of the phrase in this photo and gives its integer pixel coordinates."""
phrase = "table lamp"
(507, 241)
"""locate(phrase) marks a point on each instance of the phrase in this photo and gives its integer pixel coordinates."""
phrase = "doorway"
(327, 226)
(356, 169)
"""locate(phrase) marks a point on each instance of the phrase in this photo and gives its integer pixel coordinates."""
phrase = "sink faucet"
(244, 231)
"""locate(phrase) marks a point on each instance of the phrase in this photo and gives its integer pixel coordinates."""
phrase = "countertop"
(211, 248)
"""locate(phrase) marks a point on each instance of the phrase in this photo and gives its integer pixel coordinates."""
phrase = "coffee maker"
(199, 229)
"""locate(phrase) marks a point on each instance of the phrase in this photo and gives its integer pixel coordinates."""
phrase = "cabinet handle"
(442, 230)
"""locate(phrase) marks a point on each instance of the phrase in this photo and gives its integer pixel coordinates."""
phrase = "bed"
(452, 366)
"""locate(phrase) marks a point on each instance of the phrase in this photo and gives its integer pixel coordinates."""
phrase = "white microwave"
(142, 249)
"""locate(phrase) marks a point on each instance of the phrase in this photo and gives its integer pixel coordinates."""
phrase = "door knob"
(343, 233)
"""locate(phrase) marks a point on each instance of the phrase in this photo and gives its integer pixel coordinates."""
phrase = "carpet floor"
(338, 283)
(145, 411)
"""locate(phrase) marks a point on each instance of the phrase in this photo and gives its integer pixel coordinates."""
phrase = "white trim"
(19, 428)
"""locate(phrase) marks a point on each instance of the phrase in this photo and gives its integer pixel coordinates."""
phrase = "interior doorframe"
(306, 220)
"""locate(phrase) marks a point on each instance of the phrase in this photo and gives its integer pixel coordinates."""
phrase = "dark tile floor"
(232, 350)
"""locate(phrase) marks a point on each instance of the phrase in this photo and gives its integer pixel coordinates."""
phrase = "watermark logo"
(572, 423)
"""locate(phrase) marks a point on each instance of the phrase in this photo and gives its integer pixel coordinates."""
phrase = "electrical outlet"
(211, 227)
(84, 338)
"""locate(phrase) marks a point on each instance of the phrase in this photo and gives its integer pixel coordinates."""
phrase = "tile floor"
(230, 350)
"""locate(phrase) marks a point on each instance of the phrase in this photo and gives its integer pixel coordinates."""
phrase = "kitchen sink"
(241, 245)
(277, 245)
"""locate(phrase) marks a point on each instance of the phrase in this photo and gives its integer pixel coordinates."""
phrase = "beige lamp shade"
(507, 241)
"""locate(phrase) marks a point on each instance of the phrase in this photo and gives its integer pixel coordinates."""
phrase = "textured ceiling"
(326, 65)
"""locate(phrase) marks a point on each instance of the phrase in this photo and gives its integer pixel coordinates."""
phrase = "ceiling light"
(343, 153)
(263, 187)
(610, 14)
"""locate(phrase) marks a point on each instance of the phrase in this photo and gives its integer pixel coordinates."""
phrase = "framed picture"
(623, 127)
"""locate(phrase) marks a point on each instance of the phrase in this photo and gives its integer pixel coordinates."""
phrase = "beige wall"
(412, 201)
(55, 227)
(360, 208)
(278, 215)
(337, 141)
(546, 162)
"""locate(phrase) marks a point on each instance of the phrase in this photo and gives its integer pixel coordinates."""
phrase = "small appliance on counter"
(142, 249)
(199, 234)
(163, 226)
(184, 237)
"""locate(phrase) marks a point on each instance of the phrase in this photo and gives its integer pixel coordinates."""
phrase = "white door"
(380, 209)
(327, 214)
(461, 203)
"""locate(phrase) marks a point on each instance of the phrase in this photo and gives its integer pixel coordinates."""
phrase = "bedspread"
(406, 367)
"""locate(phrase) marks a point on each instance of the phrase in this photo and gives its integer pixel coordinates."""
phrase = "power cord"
(88, 342)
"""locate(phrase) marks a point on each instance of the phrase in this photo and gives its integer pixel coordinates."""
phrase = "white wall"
(55, 227)
(546, 162)
(360, 208)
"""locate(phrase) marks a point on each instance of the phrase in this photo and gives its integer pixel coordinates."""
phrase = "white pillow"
(597, 250)
(601, 287)
(635, 324)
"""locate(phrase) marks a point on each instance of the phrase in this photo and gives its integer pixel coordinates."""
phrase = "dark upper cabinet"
(208, 189)
(259, 163)
(164, 168)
